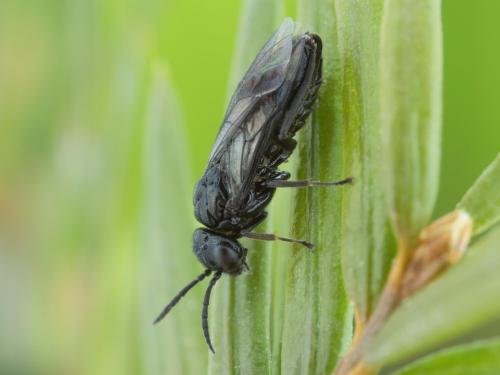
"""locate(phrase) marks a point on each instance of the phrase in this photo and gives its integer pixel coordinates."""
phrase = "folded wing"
(246, 129)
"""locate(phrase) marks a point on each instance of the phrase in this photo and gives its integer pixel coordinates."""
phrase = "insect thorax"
(214, 207)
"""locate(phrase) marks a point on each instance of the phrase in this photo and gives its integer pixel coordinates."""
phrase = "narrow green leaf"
(479, 358)
(317, 316)
(167, 262)
(241, 307)
(410, 105)
(280, 251)
(482, 200)
(367, 250)
(463, 299)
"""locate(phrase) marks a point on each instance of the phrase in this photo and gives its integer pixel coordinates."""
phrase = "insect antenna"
(181, 294)
(204, 314)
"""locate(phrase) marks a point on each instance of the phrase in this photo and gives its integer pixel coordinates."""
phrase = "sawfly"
(270, 104)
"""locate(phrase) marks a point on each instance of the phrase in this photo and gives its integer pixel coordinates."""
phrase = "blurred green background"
(78, 88)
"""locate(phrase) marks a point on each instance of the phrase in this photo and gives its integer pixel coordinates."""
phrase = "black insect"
(270, 105)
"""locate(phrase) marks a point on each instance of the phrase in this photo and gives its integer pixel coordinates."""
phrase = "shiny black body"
(266, 111)
(270, 104)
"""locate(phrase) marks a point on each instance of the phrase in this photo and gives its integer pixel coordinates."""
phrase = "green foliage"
(101, 144)
(478, 358)
(410, 109)
(482, 200)
(410, 106)
(169, 346)
(367, 247)
(462, 300)
(317, 316)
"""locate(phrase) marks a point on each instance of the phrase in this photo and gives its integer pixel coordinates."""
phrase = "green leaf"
(410, 105)
(241, 307)
(317, 316)
(367, 247)
(479, 358)
(167, 262)
(482, 200)
(463, 299)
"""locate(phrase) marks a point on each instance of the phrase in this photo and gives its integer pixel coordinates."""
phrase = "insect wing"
(266, 74)
(244, 151)
(268, 70)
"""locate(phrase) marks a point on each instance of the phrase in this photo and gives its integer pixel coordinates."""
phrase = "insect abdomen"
(303, 95)
(210, 198)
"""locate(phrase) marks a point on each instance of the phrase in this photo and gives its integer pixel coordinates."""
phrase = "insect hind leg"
(306, 183)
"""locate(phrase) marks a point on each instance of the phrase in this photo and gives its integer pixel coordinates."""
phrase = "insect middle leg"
(246, 232)
(273, 237)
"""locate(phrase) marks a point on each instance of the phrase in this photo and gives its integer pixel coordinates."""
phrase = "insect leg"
(258, 202)
(305, 183)
(273, 237)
